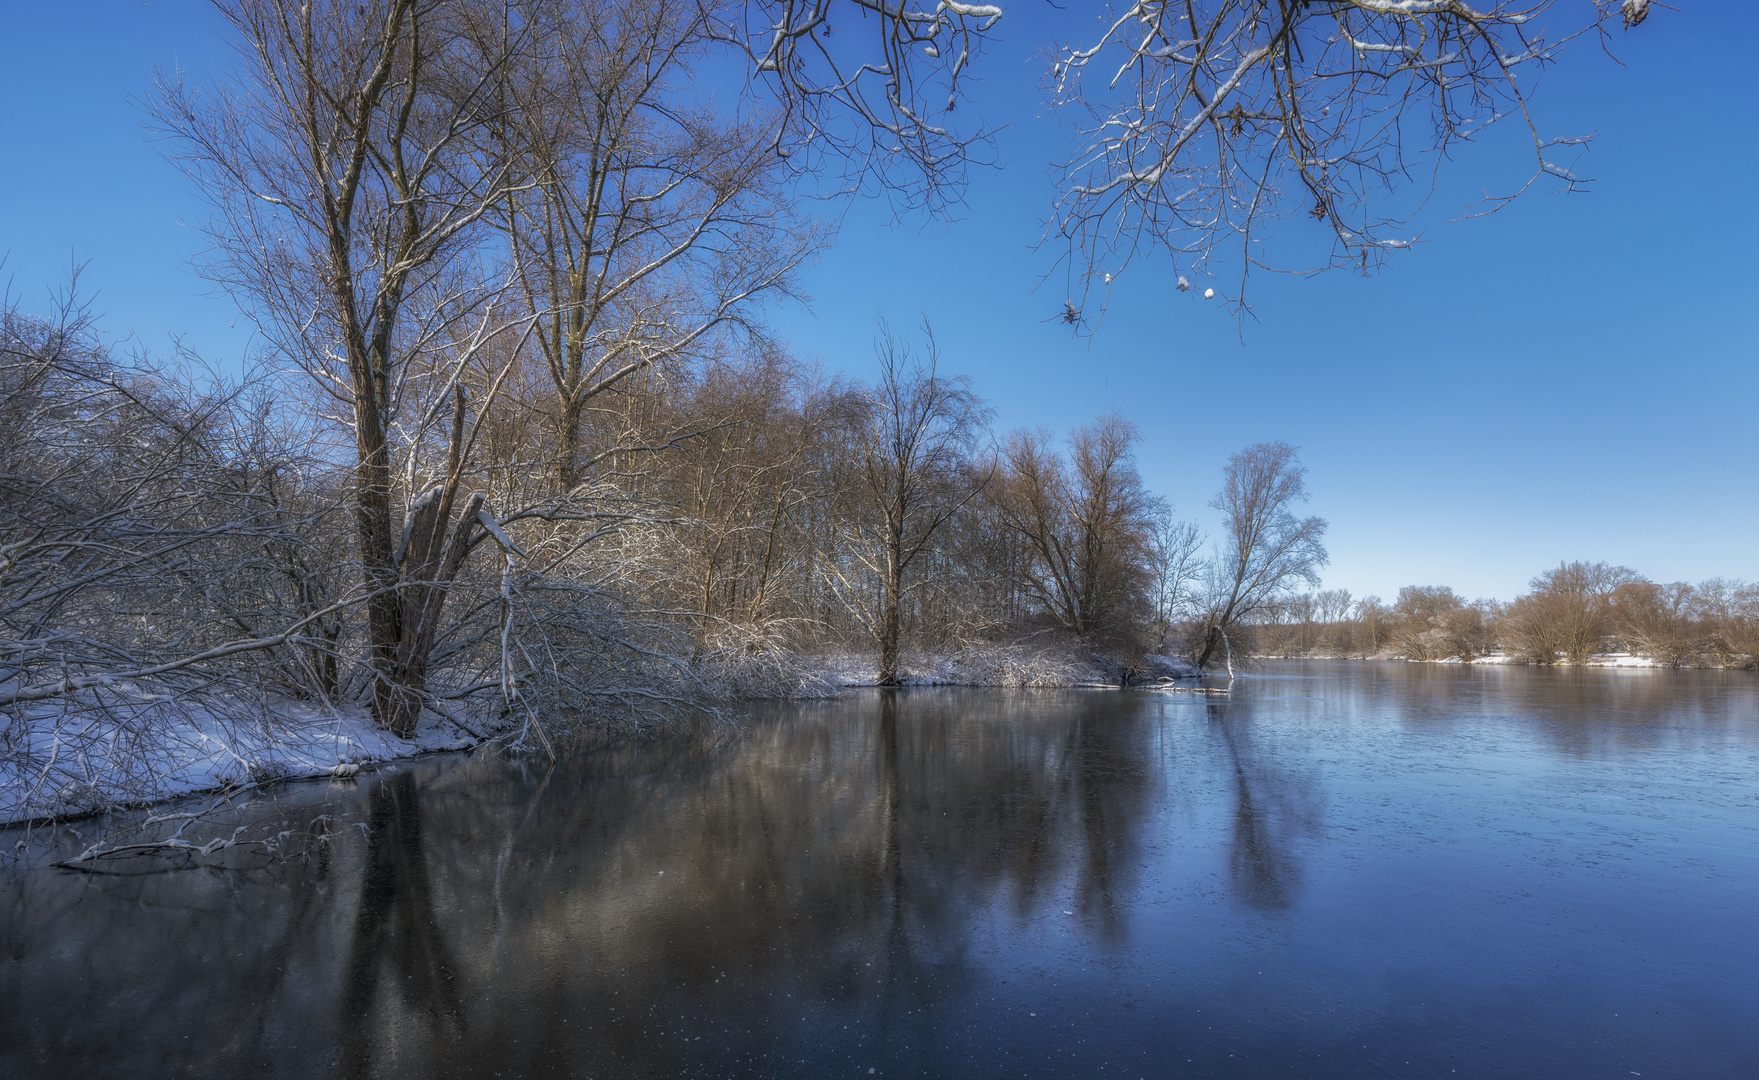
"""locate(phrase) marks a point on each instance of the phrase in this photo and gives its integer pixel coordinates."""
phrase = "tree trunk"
(891, 613)
(568, 475)
(1210, 638)
(372, 516)
(416, 575)
(890, 618)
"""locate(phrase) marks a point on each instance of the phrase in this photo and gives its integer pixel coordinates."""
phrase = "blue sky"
(1574, 377)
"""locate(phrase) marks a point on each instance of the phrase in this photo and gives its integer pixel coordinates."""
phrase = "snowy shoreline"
(127, 746)
(127, 749)
(1600, 660)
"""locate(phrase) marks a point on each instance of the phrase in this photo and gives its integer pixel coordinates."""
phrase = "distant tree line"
(1571, 613)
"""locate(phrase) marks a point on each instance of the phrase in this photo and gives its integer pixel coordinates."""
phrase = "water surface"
(1345, 870)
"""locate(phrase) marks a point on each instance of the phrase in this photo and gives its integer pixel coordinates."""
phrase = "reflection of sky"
(1343, 868)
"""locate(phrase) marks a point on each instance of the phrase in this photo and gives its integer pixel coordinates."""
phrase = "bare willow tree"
(343, 166)
(651, 219)
(1087, 523)
(1203, 121)
(1266, 550)
(904, 475)
(1570, 612)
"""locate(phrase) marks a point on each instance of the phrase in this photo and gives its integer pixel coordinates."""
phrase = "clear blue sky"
(1575, 377)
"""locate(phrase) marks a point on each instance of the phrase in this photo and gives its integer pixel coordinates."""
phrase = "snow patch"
(124, 745)
(1018, 665)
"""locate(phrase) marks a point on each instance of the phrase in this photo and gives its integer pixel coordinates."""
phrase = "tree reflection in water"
(895, 881)
(396, 928)
(693, 904)
(643, 912)
(1272, 811)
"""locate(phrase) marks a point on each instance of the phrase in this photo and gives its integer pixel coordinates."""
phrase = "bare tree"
(753, 484)
(1331, 611)
(1569, 613)
(1432, 622)
(906, 475)
(650, 220)
(1656, 620)
(1368, 629)
(1175, 556)
(343, 169)
(1087, 524)
(1203, 121)
(1266, 549)
(869, 87)
(1728, 613)
(163, 547)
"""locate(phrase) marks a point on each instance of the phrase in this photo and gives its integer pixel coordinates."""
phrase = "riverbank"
(128, 746)
(1599, 660)
(1011, 666)
(1605, 660)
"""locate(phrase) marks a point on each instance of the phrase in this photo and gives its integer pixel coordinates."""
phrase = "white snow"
(1619, 660)
(999, 666)
(123, 745)
(1623, 660)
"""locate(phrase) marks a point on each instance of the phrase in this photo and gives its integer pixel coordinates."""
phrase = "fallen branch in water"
(123, 843)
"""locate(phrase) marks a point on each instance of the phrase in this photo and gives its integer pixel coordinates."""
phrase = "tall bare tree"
(652, 220)
(1266, 550)
(343, 167)
(907, 471)
(1569, 613)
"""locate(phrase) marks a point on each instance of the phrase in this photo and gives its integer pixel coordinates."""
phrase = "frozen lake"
(1345, 870)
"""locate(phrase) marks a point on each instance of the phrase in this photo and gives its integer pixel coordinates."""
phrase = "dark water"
(1348, 870)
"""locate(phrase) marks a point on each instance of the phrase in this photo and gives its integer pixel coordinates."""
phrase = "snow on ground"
(1624, 660)
(125, 746)
(1002, 666)
(1621, 660)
